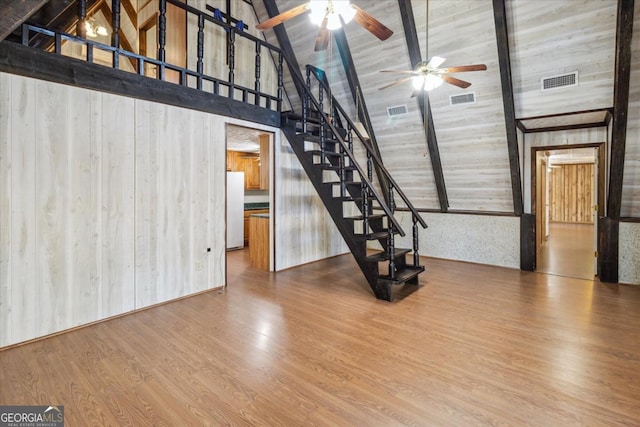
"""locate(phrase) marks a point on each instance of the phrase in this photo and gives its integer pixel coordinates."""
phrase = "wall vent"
(555, 82)
(397, 110)
(464, 98)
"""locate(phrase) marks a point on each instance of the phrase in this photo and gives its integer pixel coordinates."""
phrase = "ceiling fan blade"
(284, 16)
(435, 62)
(397, 82)
(414, 73)
(371, 24)
(454, 81)
(462, 68)
(322, 39)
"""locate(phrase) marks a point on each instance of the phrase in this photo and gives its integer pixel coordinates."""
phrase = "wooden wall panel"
(5, 207)
(571, 193)
(304, 230)
(23, 242)
(172, 184)
(67, 236)
(118, 204)
(576, 35)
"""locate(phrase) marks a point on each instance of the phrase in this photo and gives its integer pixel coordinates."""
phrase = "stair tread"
(383, 256)
(373, 236)
(404, 274)
(351, 183)
(326, 153)
(329, 166)
(316, 138)
(360, 217)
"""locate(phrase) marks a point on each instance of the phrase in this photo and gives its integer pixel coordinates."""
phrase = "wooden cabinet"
(259, 246)
(246, 222)
(249, 163)
(264, 161)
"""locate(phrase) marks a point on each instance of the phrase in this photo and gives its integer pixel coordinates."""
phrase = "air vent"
(465, 98)
(397, 110)
(556, 82)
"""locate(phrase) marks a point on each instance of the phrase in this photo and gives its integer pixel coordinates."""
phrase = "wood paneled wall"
(108, 204)
(571, 193)
(304, 230)
(66, 207)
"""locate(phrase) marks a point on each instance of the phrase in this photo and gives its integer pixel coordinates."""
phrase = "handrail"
(343, 144)
(370, 150)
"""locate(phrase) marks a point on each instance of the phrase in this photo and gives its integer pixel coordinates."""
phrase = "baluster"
(81, 30)
(257, 86)
(391, 247)
(391, 252)
(323, 143)
(369, 166)
(416, 257)
(162, 37)
(232, 61)
(25, 34)
(200, 65)
(305, 103)
(280, 81)
(366, 208)
(115, 35)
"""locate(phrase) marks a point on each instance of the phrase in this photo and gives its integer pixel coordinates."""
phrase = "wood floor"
(568, 251)
(474, 345)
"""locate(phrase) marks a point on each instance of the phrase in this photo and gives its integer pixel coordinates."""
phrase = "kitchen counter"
(255, 206)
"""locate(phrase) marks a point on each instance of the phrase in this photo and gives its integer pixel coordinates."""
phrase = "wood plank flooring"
(475, 345)
(568, 251)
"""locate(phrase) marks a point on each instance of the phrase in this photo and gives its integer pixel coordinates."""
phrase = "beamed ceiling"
(522, 42)
(473, 160)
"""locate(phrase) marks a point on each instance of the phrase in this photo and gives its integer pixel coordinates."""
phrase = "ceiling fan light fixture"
(344, 9)
(318, 10)
(432, 81)
(333, 21)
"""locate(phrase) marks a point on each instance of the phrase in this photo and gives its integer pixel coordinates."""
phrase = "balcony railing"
(194, 78)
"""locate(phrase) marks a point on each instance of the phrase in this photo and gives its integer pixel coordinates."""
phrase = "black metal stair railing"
(346, 140)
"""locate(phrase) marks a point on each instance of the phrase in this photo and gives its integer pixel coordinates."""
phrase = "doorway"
(249, 221)
(567, 201)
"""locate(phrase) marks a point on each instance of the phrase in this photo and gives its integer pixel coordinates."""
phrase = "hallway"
(568, 251)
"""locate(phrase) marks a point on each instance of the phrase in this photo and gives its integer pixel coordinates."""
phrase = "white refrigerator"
(235, 210)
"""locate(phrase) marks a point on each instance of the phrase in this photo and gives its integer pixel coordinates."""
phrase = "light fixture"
(332, 10)
(94, 30)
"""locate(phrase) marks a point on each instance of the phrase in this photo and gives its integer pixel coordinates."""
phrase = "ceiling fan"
(330, 15)
(429, 75)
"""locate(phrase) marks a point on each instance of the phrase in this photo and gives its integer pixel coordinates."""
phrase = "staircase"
(325, 148)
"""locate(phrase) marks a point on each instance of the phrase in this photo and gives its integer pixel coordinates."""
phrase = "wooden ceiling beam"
(624, 34)
(14, 13)
(502, 38)
(413, 45)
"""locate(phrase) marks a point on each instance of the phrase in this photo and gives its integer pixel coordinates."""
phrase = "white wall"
(629, 253)
(484, 239)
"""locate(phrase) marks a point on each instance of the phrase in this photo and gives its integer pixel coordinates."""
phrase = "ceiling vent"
(397, 110)
(557, 82)
(464, 98)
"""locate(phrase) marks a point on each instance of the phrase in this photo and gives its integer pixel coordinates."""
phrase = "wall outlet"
(198, 266)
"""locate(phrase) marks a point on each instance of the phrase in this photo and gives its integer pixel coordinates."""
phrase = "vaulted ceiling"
(544, 39)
